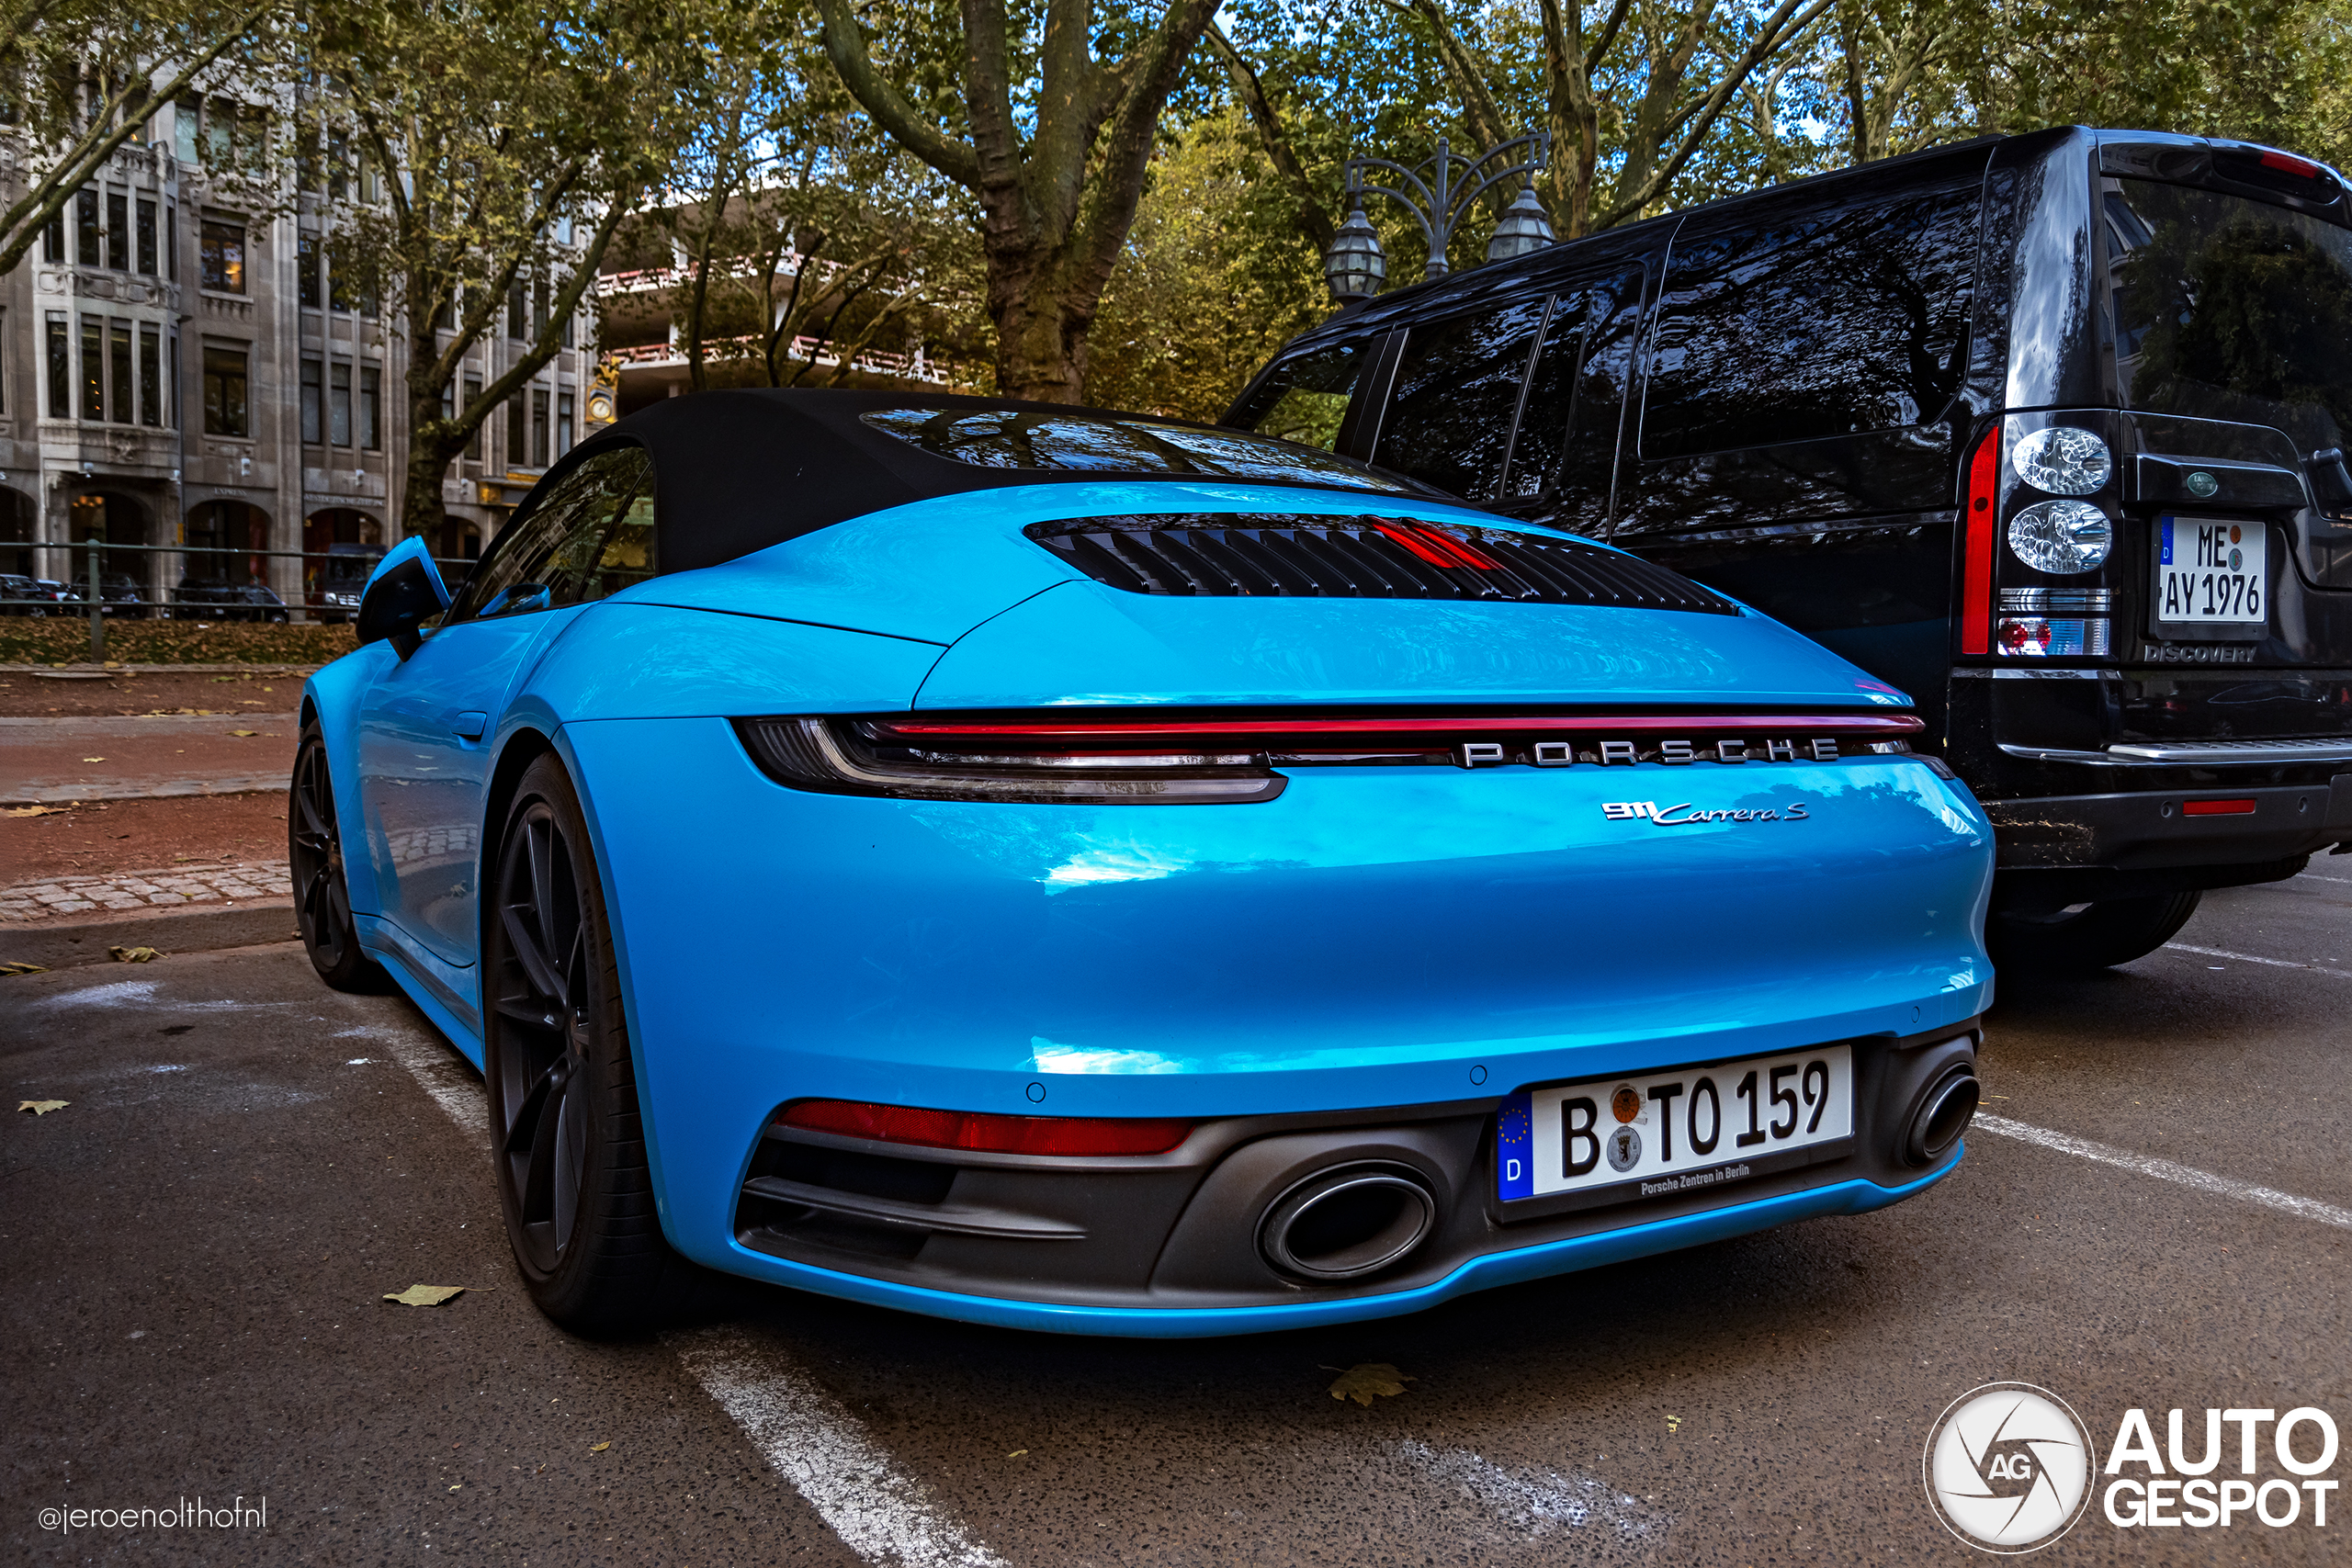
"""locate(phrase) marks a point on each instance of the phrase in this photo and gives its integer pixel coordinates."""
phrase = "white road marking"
(882, 1513)
(2314, 876)
(2167, 1170)
(1537, 1501)
(2250, 958)
(438, 1071)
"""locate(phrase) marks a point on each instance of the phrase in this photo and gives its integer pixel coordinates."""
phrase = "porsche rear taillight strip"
(1160, 731)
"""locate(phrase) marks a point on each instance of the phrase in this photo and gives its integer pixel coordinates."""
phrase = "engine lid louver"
(1229, 555)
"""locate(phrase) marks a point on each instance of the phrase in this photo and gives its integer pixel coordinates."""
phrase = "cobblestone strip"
(248, 882)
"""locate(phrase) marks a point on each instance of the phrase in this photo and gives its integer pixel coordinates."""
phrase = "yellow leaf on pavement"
(1369, 1380)
(24, 968)
(598, 1448)
(133, 954)
(245, 732)
(425, 1295)
(94, 759)
(35, 811)
(43, 1107)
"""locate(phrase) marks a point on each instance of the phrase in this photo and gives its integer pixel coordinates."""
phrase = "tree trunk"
(1040, 337)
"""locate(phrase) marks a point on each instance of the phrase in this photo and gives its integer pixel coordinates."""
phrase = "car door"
(428, 726)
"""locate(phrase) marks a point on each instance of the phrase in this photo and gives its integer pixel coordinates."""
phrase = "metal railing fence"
(89, 585)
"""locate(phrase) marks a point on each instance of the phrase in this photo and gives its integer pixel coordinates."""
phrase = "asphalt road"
(197, 1247)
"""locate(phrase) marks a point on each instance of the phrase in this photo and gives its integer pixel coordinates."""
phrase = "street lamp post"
(1439, 192)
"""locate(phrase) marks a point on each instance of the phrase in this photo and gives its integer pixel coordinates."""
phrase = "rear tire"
(2097, 937)
(574, 1178)
(322, 897)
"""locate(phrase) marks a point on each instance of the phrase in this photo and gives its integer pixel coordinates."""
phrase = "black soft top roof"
(736, 471)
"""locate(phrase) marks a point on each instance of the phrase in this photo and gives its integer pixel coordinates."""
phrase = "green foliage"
(1210, 283)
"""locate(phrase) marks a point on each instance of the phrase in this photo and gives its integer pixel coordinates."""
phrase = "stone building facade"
(178, 369)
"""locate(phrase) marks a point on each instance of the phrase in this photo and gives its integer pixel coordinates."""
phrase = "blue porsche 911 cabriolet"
(1083, 872)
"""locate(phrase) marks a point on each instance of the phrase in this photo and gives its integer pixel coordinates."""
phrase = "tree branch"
(1272, 136)
(845, 46)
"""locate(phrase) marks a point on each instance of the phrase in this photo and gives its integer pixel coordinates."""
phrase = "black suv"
(198, 599)
(2047, 430)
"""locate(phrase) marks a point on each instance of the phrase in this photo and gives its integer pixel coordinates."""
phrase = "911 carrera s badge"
(1683, 815)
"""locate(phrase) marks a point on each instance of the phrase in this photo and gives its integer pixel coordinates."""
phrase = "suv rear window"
(2231, 309)
(1816, 322)
(1449, 419)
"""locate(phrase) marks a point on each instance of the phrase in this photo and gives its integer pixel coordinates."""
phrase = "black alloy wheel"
(322, 898)
(2094, 937)
(573, 1175)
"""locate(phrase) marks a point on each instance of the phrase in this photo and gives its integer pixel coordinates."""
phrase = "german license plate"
(2212, 573)
(1684, 1130)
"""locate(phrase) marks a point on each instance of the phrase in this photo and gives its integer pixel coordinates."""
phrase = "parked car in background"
(334, 593)
(2047, 431)
(199, 601)
(1202, 884)
(63, 594)
(117, 595)
(24, 596)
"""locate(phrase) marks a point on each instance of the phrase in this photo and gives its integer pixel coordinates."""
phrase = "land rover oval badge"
(2202, 484)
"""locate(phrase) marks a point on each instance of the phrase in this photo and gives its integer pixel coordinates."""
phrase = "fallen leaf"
(24, 968)
(598, 1448)
(43, 1107)
(1364, 1382)
(1016, 1453)
(94, 759)
(133, 954)
(425, 1295)
(35, 811)
(244, 732)
(458, 1487)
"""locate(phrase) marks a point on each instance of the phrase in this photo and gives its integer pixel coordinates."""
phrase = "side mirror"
(403, 593)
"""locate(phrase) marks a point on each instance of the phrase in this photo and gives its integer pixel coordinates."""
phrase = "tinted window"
(1567, 430)
(1305, 398)
(1456, 396)
(1812, 324)
(1012, 439)
(2233, 309)
(587, 535)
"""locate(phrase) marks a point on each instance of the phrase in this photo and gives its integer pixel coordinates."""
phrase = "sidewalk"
(55, 761)
(220, 886)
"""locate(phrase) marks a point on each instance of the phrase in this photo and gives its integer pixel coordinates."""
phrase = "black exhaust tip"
(1943, 1114)
(1348, 1221)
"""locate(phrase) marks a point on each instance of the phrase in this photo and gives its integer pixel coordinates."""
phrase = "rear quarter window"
(1811, 322)
(1450, 420)
(1305, 398)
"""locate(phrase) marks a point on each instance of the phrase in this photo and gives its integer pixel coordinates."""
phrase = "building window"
(183, 123)
(93, 368)
(567, 413)
(61, 370)
(151, 377)
(474, 437)
(518, 429)
(339, 403)
(171, 242)
(339, 291)
(540, 308)
(52, 239)
(515, 309)
(222, 249)
(146, 236)
(306, 271)
(85, 226)
(371, 407)
(312, 385)
(119, 231)
(224, 391)
(119, 356)
(172, 385)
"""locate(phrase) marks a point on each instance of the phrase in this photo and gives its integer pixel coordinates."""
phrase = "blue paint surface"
(1361, 941)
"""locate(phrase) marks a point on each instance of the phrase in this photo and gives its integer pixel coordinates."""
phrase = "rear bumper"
(2146, 830)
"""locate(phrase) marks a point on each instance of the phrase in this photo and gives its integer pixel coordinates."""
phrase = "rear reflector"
(2217, 808)
(985, 1134)
(1980, 521)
